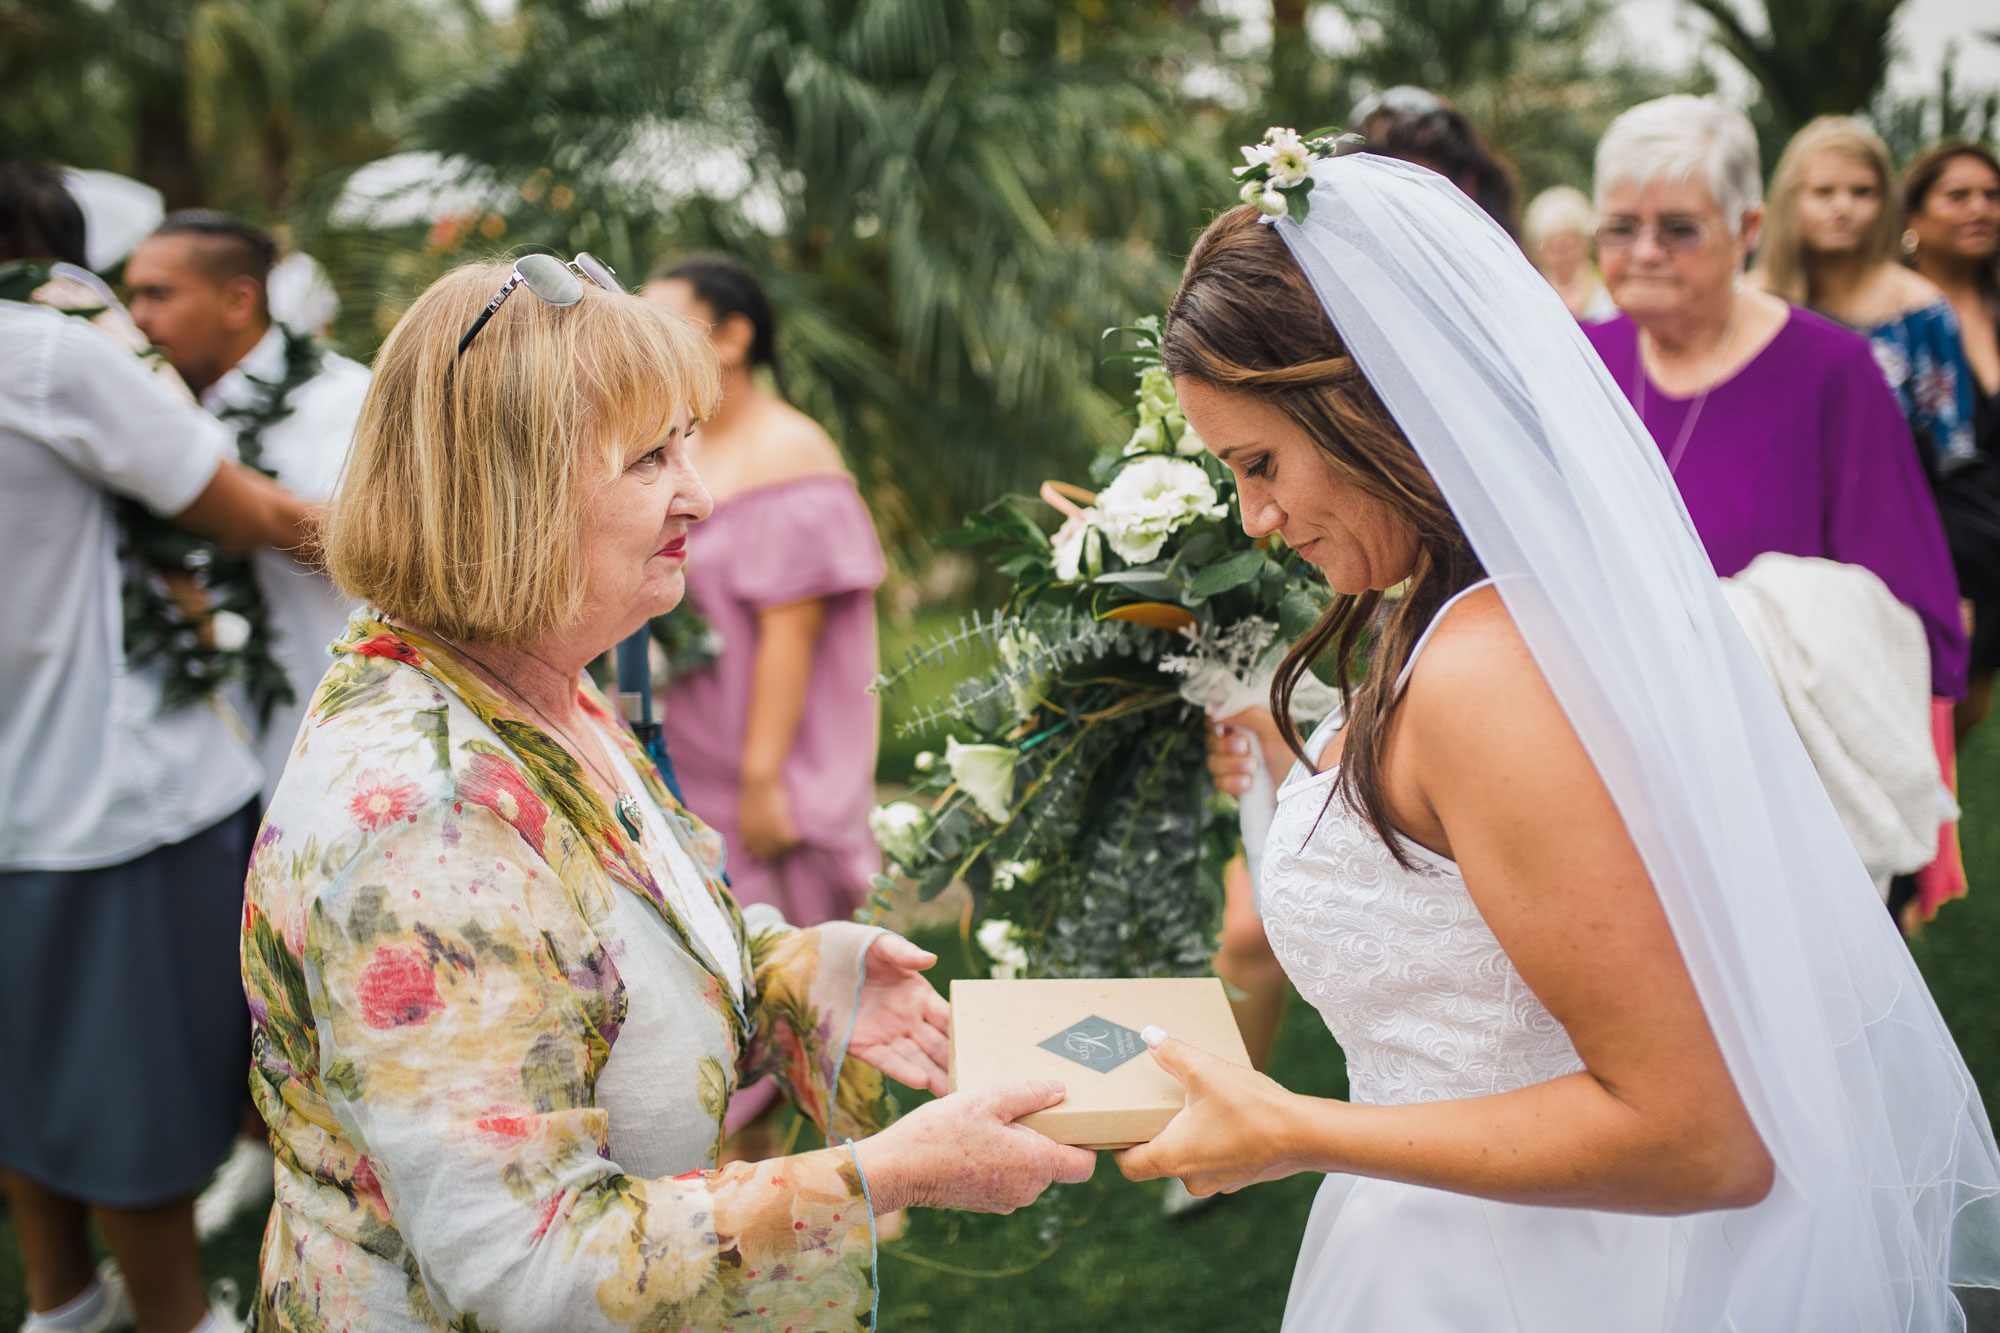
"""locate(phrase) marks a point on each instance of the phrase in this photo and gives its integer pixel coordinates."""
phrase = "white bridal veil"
(1886, 1168)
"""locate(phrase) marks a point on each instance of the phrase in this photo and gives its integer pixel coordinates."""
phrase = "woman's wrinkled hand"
(1231, 759)
(902, 1026)
(1233, 1131)
(965, 1151)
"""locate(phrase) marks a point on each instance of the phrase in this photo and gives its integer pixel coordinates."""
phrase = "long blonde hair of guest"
(1783, 267)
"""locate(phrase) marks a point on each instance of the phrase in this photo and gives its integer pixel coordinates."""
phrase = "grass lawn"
(1107, 1258)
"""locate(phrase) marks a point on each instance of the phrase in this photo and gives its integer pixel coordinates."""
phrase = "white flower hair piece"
(1277, 180)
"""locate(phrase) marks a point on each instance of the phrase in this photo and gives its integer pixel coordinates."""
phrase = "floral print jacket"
(433, 938)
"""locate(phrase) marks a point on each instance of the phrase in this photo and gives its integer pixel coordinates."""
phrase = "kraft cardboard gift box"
(1085, 1034)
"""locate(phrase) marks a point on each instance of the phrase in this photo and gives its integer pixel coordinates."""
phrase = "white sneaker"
(245, 1181)
(112, 1307)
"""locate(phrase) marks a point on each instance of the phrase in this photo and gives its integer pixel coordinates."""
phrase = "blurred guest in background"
(1951, 205)
(199, 293)
(1775, 423)
(1560, 232)
(1830, 240)
(775, 741)
(1417, 125)
(125, 823)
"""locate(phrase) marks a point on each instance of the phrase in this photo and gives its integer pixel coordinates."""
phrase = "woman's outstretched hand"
(902, 1025)
(1234, 1130)
(965, 1151)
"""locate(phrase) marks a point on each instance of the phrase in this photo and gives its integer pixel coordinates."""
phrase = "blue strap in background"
(635, 702)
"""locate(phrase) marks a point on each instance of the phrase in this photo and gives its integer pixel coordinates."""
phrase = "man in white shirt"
(124, 825)
(199, 294)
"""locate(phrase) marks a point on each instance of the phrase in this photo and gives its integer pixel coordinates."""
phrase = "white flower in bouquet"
(1078, 547)
(924, 762)
(1149, 500)
(986, 774)
(899, 829)
(1149, 437)
(1006, 874)
(1190, 445)
(1000, 941)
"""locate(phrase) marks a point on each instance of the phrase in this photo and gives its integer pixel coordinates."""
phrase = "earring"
(1910, 241)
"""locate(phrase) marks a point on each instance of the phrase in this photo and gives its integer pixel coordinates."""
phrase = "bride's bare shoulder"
(1476, 687)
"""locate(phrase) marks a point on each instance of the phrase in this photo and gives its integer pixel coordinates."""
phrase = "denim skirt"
(124, 1037)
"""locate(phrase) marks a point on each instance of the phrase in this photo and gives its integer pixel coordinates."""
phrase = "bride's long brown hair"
(1247, 320)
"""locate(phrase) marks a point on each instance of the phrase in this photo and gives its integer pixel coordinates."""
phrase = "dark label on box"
(1096, 1043)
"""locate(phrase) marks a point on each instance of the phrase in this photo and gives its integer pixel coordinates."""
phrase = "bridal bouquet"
(1073, 796)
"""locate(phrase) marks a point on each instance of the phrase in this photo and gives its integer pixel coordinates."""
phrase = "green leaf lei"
(157, 628)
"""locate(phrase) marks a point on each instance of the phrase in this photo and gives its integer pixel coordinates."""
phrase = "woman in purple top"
(1776, 424)
(775, 742)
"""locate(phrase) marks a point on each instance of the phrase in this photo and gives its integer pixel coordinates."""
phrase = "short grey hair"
(1683, 138)
(1560, 210)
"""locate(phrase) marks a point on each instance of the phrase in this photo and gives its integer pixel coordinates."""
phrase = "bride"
(1630, 1041)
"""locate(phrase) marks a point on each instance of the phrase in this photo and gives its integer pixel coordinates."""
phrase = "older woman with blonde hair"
(1774, 422)
(500, 992)
(1830, 242)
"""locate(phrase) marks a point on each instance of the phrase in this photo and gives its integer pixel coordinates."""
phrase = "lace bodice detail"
(1399, 963)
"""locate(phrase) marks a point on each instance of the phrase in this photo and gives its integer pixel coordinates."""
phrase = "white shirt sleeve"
(99, 409)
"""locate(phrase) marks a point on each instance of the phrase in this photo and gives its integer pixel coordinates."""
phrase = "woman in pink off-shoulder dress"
(775, 742)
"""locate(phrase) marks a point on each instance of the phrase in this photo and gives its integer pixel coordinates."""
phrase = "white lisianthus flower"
(228, 631)
(1073, 543)
(925, 761)
(1251, 192)
(899, 829)
(985, 773)
(1001, 941)
(1272, 204)
(1149, 500)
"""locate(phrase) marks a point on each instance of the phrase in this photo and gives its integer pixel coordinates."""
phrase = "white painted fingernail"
(1152, 1034)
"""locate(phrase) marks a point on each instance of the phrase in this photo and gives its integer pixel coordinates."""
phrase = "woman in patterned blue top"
(1830, 243)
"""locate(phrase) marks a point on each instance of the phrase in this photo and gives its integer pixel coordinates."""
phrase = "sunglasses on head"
(550, 279)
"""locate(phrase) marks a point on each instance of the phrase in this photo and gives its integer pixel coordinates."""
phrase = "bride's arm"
(1654, 1124)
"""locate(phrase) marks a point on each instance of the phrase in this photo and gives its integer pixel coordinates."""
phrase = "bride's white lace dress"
(1428, 1007)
